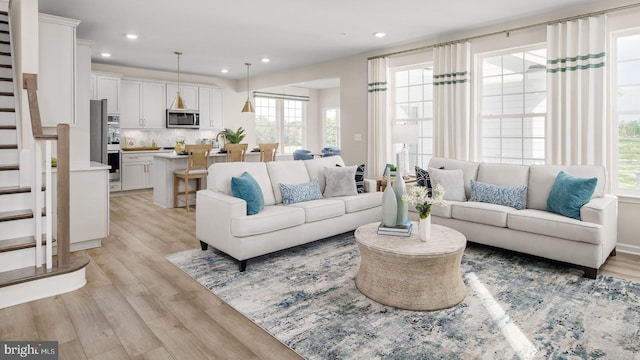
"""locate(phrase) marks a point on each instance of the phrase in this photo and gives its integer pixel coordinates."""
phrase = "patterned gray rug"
(516, 308)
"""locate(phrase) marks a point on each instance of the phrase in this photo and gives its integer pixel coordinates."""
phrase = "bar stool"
(197, 168)
(235, 152)
(268, 151)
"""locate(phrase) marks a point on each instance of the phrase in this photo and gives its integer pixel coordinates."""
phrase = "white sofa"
(222, 220)
(586, 242)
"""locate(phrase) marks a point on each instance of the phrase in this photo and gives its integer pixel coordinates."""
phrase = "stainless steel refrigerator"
(98, 131)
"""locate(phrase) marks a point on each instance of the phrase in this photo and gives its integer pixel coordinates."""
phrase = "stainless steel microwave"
(183, 119)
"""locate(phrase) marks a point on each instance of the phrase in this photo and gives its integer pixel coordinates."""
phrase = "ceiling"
(218, 34)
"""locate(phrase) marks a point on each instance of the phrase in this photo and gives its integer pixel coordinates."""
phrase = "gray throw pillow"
(340, 181)
(451, 180)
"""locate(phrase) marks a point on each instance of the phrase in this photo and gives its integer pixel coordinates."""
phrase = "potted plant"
(234, 137)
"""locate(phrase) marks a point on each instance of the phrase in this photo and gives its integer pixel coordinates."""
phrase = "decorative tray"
(144, 148)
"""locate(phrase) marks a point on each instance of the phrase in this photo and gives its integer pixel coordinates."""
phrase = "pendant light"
(178, 103)
(248, 106)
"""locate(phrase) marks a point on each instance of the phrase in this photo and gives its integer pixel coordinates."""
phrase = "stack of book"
(398, 230)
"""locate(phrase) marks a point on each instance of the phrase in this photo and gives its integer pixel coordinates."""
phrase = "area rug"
(517, 307)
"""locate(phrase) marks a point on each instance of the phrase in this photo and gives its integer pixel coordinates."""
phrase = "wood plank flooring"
(137, 305)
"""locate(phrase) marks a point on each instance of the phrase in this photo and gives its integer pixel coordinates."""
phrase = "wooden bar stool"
(268, 151)
(197, 168)
(236, 152)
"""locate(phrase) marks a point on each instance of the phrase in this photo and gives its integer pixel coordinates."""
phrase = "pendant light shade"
(248, 106)
(178, 103)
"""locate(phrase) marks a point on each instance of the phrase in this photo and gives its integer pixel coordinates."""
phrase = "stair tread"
(30, 273)
(5, 42)
(6, 190)
(9, 167)
(7, 109)
(24, 242)
(7, 127)
(5, 93)
(15, 215)
(8, 146)
(6, 79)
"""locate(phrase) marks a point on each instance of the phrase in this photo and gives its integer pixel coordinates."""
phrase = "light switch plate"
(357, 137)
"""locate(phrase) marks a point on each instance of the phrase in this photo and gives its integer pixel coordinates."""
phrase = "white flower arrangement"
(418, 196)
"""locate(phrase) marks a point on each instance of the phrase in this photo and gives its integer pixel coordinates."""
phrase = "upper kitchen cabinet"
(57, 69)
(108, 87)
(143, 105)
(210, 108)
(189, 94)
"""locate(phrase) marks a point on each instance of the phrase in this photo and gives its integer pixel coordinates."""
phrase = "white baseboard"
(84, 245)
(629, 249)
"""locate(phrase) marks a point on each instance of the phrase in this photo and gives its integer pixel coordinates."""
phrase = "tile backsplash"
(165, 137)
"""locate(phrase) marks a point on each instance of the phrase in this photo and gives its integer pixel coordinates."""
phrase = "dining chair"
(236, 152)
(197, 168)
(268, 151)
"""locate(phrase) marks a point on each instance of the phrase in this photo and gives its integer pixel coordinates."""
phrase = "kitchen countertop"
(173, 155)
(161, 151)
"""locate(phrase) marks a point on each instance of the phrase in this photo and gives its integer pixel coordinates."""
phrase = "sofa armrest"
(214, 212)
(600, 210)
(370, 185)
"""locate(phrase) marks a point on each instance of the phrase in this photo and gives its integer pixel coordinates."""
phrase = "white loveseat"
(586, 242)
(222, 220)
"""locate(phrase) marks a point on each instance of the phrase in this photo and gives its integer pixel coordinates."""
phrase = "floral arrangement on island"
(418, 196)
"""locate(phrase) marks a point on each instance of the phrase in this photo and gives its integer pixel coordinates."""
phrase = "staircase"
(23, 239)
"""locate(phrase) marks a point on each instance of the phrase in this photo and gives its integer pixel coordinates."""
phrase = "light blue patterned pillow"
(512, 196)
(295, 193)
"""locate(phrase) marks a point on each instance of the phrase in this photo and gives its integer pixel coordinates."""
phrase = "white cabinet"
(189, 94)
(137, 171)
(108, 87)
(210, 101)
(143, 105)
(57, 69)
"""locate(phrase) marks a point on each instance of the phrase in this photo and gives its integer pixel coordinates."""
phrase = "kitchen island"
(164, 164)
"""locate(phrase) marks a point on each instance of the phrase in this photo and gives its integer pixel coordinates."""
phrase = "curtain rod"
(426, 47)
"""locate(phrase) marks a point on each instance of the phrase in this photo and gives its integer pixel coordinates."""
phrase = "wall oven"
(113, 160)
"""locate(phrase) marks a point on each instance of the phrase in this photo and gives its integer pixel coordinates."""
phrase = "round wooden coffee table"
(407, 273)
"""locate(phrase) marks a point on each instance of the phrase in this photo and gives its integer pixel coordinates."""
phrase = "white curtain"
(452, 129)
(577, 130)
(379, 125)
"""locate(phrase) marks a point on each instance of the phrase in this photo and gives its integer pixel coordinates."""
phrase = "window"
(512, 106)
(626, 111)
(281, 120)
(413, 98)
(331, 128)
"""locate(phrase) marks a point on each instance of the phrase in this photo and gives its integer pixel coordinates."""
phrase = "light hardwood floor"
(137, 305)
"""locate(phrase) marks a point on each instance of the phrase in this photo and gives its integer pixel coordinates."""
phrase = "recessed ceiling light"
(131, 36)
(224, 71)
(105, 54)
(265, 60)
(379, 34)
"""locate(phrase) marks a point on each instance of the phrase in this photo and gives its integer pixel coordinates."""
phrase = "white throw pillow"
(451, 180)
(340, 181)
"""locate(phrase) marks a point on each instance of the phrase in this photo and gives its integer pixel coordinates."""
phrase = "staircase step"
(31, 273)
(4, 32)
(7, 190)
(8, 146)
(5, 93)
(5, 42)
(24, 242)
(9, 178)
(6, 79)
(15, 215)
(7, 127)
(21, 198)
(7, 109)
(9, 167)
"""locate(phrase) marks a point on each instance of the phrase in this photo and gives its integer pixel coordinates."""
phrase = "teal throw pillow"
(246, 188)
(295, 193)
(512, 196)
(569, 193)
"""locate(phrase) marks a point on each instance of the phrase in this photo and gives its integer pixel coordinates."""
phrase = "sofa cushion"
(270, 219)
(451, 180)
(359, 178)
(286, 172)
(340, 181)
(246, 188)
(483, 213)
(317, 210)
(503, 174)
(513, 196)
(361, 202)
(542, 177)
(550, 224)
(220, 174)
(569, 193)
(295, 193)
(443, 211)
(315, 167)
(423, 178)
(470, 170)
